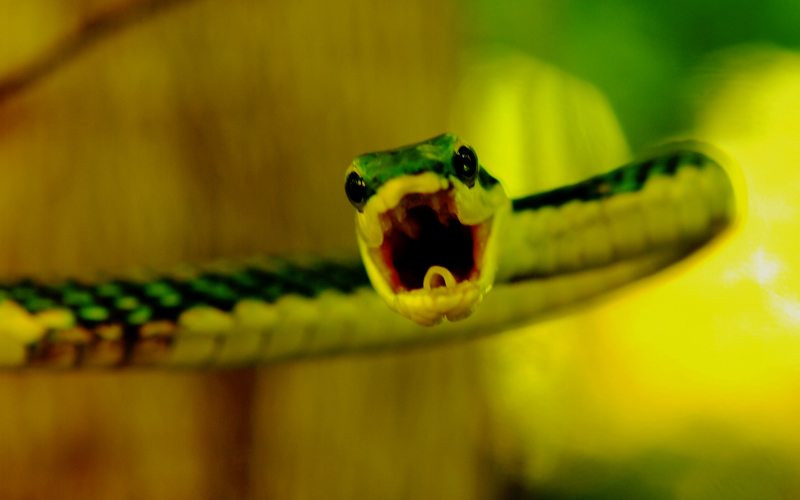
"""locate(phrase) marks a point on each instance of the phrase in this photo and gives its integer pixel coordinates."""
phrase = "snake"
(445, 255)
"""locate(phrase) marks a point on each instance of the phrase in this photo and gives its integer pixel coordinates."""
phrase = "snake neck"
(678, 200)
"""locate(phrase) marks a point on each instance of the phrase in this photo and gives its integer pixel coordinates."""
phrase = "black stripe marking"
(643, 172)
(626, 179)
(673, 162)
(127, 303)
(485, 179)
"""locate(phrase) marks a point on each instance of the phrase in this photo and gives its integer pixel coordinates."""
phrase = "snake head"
(426, 227)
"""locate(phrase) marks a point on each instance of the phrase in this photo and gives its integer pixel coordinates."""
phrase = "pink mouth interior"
(429, 235)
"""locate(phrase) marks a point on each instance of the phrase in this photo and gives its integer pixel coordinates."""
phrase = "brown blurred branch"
(88, 33)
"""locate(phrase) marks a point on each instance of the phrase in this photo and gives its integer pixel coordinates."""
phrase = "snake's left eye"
(356, 190)
(465, 161)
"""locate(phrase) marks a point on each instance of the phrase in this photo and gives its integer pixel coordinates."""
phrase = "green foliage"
(639, 53)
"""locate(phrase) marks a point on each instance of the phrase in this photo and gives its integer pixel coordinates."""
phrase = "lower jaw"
(429, 307)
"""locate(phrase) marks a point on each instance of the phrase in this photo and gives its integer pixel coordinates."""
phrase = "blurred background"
(154, 131)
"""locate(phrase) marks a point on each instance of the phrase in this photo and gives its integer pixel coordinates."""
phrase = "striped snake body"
(436, 234)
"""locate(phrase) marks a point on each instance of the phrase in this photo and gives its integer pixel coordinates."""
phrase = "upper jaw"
(422, 257)
(370, 225)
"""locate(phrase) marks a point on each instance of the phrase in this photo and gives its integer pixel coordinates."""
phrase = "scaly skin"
(546, 251)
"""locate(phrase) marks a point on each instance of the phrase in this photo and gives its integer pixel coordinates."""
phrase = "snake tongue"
(438, 276)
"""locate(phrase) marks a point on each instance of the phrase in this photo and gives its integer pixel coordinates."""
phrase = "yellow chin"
(428, 306)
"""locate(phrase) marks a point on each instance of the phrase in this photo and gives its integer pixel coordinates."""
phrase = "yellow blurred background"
(195, 129)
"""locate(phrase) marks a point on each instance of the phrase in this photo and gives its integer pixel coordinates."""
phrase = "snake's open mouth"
(425, 246)
(429, 245)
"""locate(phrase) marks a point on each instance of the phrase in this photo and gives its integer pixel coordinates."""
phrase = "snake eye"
(465, 162)
(356, 190)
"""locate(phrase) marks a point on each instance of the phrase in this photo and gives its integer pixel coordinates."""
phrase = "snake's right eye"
(356, 190)
(465, 162)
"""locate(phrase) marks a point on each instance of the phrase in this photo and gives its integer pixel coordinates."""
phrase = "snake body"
(544, 252)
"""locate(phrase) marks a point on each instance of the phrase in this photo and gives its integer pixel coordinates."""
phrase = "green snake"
(441, 245)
